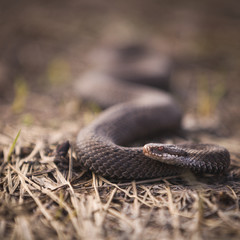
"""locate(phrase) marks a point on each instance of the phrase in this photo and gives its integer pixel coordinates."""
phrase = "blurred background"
(45, 46)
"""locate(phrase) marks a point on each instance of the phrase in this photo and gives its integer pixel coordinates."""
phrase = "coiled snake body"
(138, 111)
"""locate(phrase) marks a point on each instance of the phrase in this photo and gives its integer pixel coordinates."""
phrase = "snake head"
(164, 152)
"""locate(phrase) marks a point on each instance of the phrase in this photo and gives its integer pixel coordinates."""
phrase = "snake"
(135, 111)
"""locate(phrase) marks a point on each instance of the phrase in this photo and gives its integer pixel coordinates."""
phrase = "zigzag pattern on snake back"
(135, 111)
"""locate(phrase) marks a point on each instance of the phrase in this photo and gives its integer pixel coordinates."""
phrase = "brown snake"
(138, 111)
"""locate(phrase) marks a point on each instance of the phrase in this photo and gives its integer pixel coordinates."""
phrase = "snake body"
(136, 111)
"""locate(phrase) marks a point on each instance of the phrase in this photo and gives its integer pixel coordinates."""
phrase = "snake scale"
(135, 111)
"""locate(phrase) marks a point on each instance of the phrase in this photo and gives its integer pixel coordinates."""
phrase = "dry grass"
(42, 198)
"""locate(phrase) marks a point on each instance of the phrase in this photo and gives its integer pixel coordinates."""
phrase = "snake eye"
(160, 148)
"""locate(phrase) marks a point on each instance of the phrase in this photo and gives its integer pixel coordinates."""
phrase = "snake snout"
(153, 148)
(160, 151)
